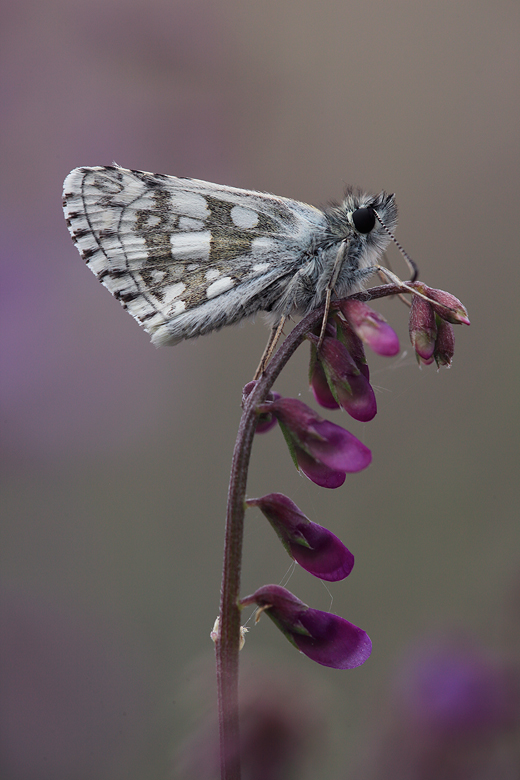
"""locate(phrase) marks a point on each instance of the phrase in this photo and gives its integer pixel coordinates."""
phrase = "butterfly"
(186, 257)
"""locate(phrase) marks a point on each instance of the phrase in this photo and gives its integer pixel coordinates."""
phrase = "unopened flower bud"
(423, 329)
(445, 343)
(448, 306)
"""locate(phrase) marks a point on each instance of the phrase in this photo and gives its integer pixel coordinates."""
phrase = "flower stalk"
(228, 640)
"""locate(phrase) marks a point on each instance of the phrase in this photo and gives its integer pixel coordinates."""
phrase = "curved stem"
(227, 644)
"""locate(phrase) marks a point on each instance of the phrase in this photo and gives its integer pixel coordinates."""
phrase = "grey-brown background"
(116, 455)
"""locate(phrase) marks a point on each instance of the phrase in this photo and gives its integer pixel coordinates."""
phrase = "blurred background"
(115, 455)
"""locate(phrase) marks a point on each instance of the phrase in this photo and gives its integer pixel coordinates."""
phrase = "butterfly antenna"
(414, 270)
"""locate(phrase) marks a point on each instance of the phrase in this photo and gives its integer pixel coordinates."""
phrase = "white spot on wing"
(260, 267)
(187, 223)
(177, 307)
(190, 204)
(191, 246)
(244, 218)
(220, 286)
(212, 274)
(174, 291)
(263, 245)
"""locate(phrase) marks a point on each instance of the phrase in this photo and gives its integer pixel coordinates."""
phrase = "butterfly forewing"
(186, 257)
(182, 255)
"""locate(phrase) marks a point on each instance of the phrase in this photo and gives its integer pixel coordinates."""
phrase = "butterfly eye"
(364, 220)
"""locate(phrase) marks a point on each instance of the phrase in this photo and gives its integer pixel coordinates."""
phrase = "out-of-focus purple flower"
(371, 327)
(444, 344)
(323, 451)
(282, 724)
(315, 548)
(348, 386)
(423, 329)
(456, 690)
(453, 713)
(265, 420)
(325, 638)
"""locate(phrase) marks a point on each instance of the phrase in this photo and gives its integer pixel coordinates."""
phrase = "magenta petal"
(265, 422)
(333, 641)
(361, 402)
(318, 472)
(446, 305)
(326, 558)
(321, 389)
(338, 449)
(371, 327)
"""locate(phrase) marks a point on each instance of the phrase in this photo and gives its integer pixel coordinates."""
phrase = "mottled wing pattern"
(182, 255)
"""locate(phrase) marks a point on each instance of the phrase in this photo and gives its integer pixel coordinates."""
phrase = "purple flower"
(347, 384)
(323, 451)
(456, 689)
(371, 327)
(315, 548)
(325, 638)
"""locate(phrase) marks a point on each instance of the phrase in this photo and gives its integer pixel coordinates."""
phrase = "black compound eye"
(364, 220)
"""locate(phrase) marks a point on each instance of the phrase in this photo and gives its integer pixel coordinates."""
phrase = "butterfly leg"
(325, 317)
(396, 280)
(404, 285)
(275, 334)
(330, 287)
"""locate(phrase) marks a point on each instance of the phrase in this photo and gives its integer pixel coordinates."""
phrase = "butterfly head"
(368, 213)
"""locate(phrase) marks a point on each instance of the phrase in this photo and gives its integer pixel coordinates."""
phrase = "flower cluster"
(432, 315)
(325, 452)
